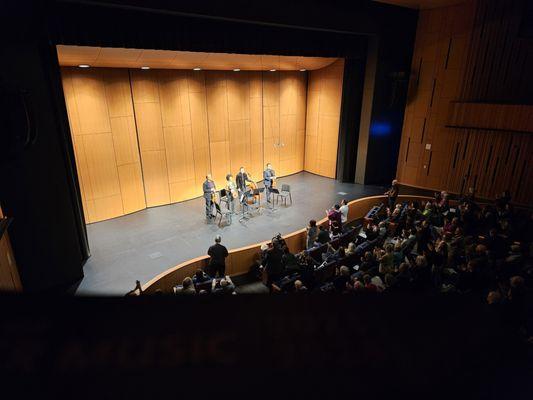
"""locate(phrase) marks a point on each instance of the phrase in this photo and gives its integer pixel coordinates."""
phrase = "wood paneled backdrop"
(146, 138)
(324, 94)
(467, 123)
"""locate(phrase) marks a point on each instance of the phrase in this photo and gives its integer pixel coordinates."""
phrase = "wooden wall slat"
(478, 64)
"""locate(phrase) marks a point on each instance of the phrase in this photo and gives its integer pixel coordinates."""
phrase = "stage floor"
(141, 245)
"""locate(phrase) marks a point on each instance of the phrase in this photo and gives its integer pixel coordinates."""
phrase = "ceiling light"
(272, 70)
(236, 69)
(197, 69)
(303, 70)
(145, 67)
(84, 65)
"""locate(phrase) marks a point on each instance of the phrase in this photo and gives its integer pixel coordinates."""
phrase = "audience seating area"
(432, 247)
(437, 246)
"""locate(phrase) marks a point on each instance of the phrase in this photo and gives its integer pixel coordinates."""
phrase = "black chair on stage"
(284, 193)
(223, 214)
(224, 198)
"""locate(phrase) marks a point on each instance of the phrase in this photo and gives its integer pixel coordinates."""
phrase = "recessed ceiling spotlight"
(197, 69)
(145, 67)
(236, 69)
(303, 70)
(84, 65)
(272, 70)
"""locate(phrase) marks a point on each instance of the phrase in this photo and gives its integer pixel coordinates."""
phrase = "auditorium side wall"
(469, 119)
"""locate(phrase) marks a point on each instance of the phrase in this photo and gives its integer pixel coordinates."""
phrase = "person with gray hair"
(218, 254)
(224, 286)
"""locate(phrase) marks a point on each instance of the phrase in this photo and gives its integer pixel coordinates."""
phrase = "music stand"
(244, 205)
(273, 192)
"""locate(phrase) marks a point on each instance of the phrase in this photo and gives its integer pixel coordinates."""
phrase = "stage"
(141, 245)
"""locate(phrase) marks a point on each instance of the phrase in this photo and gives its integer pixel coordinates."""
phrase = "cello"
(251, 186)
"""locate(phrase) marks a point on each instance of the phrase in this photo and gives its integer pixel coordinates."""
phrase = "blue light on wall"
(380, 128)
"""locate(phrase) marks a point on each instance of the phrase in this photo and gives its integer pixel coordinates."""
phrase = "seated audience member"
(200, 277)
(336, 230)
(397, 255)
(289, 260)
(403, 278)
(323, 236)
(355, 285)
(409, 243)
(224, 286)
(333, 255)
(378, 283)
(306, 261)
(187, 287)
(299, 287)
(386, 262)
(390, 282)
(351, 249)
(369, 263)
(369, 286)
(334, 215)
(342, 278)
(312, 233)
(494, 297)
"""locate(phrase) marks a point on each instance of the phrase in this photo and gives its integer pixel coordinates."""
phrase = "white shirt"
(344, 211)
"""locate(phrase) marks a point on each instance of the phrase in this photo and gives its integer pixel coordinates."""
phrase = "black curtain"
(38, 186)
(142, 28)
(352, 99)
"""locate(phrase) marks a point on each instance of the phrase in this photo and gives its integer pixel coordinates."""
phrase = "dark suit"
(268, 174)
(241, 180)
(208, 188)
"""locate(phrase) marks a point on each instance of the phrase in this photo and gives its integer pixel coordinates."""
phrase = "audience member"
(312, 233)
(187, 287)
(218, 254)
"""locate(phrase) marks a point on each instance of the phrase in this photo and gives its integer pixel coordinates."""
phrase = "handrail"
(241, 259)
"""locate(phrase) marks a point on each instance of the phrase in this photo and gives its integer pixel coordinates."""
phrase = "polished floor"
(141, 245)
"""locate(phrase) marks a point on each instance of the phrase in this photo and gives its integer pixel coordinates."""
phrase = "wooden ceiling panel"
(166, 59)
(75, 55)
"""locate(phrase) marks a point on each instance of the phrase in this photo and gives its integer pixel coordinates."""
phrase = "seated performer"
(209, 196)
(241, 180)
(269, 177)
(231, 192)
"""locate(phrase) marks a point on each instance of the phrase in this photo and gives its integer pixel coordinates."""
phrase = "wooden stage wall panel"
(324, 93)
(104, 137)
(467, 121)
(146, 138)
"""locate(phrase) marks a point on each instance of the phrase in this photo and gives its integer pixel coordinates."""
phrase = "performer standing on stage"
(269, 176)
(209, 196)
(241, 180)
(231, 192)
